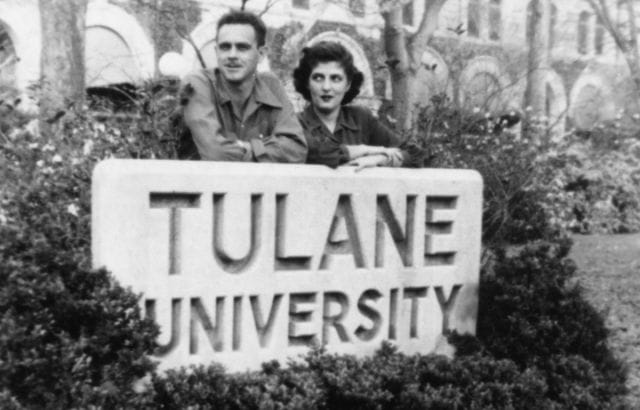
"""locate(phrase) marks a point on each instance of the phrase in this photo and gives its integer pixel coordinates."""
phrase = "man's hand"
(369, 161)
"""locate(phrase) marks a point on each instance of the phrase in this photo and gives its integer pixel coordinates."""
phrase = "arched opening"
(583, 32)
(495, 20)
(598, 38)
(482, 93)
(8, 60)
(587, 112)
(553, 17)
(473, 18)
(108, 58)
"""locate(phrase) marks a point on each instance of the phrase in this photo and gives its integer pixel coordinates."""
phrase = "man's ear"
(264, 51)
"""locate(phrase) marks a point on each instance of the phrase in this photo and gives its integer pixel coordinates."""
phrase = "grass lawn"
(609, 270)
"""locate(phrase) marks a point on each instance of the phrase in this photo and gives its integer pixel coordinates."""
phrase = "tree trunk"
(403, 60)
(62, 56)
(536, 93)
(398, 65)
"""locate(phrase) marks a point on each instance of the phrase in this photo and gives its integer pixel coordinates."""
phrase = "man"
(235, 113)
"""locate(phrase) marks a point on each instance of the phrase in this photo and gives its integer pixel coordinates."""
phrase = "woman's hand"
(369, 161)
(358, 151)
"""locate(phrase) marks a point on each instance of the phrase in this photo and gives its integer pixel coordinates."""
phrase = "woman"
(339, 134)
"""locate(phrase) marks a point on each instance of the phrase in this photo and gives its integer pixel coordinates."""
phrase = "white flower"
(56, 158)
(33, 145)
(99, 127)
(476, 110)
(87, 147)
(73, 209)
(39, 163)
(3, 219)
(48, 147)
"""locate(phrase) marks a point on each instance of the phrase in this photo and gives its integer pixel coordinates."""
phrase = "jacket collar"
(344, 121)
(261, 91)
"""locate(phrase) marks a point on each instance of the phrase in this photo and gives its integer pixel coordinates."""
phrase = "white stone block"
(243, 263)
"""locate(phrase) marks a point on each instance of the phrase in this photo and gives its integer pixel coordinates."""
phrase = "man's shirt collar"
(261, 91)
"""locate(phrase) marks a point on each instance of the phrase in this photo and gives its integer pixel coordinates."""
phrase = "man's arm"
(287, 142)
(201, 117)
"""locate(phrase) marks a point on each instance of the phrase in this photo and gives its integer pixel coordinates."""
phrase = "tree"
(538, 63)
(62, 56)
(624, 33)
(404, 54)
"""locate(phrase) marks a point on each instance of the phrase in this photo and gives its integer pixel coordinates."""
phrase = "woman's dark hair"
(326, 52)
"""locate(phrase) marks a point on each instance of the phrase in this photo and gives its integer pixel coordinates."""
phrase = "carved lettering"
(174, 201)
(215, 333)
(334, 320)
(446, 305)
(393, 314)
(370, 312)
(414, 294)
(440, 215)
(225, 261)
(282, 262)
(236, 336)
(300, 318)
(176, 312)
(265, 330)
(402, 241)
(343, 213)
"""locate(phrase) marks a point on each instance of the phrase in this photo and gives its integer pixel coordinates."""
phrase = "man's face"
(238, 52)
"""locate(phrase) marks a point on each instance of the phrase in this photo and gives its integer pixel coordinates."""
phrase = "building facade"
(477, 55)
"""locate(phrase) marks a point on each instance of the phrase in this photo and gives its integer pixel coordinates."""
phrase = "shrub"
(532, 312)
(73, 338)
(593, 185)
(584, 181)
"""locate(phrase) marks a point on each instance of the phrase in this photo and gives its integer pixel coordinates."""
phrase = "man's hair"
(245, 17)
(326, 52)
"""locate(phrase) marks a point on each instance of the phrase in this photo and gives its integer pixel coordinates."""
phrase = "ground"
(609, 270)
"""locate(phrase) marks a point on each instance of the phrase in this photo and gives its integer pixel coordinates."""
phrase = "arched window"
(8, 59)
(598, 38)
(482, 92)
(473, 18)
(407, 14)
(108, 58)
(583, 32)
(553, 16)
(495, 20)
(357, 7)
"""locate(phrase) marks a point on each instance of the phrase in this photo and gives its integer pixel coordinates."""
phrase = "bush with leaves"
(73, 338)
(513, 210)
(593, 184)
(536, 189)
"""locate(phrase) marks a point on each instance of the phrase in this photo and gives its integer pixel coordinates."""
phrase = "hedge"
(71, 337)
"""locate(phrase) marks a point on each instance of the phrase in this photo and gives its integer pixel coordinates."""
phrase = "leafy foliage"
(73, 338)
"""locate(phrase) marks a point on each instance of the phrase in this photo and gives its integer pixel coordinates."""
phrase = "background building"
(477, 55)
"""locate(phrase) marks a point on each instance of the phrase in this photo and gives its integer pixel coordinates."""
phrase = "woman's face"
(327, 85)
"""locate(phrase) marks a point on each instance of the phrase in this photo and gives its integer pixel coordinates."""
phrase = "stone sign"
(244, 263)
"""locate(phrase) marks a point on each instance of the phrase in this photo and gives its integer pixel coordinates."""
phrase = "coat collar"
(344, 120)
(261, 91)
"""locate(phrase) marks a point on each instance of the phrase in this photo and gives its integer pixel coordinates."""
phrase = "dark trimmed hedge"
(73, 338)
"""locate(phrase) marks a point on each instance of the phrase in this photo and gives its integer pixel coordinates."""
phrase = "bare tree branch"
(428, 24)
(601, 10)
(270, 3)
